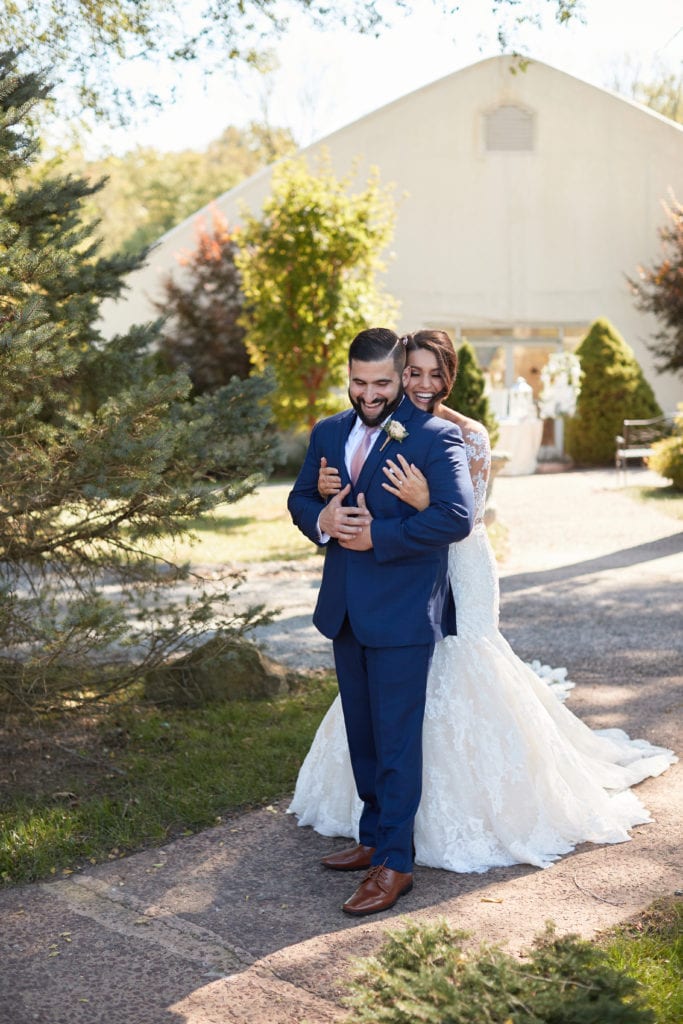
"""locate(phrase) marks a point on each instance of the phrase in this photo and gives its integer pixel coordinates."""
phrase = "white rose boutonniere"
(395, 431)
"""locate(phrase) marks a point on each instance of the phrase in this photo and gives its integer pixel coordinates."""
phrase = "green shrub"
(667, 459)
(425, 974)
(467, 396)
(613, 389)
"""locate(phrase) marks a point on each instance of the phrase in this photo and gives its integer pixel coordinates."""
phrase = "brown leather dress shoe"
(379, 890)
(352, 859)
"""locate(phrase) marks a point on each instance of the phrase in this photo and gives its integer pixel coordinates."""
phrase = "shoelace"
(375, 875)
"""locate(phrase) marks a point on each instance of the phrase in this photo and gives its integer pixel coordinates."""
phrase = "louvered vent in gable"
(509, 128)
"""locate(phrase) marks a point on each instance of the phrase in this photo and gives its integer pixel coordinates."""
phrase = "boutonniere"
(395, 431)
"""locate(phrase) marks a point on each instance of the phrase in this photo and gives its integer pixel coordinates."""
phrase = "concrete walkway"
(240, 924)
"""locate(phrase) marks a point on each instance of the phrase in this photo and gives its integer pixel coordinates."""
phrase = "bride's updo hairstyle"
(443, 350)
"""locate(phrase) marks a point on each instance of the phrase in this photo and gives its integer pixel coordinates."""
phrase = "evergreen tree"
(468, 395)
(309, 267)
(203, 335)
(432, 974)
(99, 453)
(660, 291)
(613, 389)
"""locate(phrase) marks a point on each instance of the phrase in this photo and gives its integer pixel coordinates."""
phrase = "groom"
(385, 598)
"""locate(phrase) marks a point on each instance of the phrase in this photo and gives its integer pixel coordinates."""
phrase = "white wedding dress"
(510, 775)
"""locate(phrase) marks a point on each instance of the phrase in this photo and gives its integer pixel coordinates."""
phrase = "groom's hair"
(377, 344)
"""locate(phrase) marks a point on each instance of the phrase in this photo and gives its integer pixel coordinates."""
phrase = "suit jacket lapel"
(346, 426)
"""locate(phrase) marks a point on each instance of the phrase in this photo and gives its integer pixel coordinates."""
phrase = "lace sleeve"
(478, 450)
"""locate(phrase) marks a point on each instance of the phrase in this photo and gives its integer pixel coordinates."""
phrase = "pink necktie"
(361, 452)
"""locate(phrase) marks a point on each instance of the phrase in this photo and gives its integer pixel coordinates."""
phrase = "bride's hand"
(406, 482)
(329, 481)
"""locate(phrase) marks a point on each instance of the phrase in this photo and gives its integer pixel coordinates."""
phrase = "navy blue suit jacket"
(397, 593)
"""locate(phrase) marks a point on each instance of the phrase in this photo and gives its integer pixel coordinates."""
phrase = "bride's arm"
(478, 447)
(405, 481)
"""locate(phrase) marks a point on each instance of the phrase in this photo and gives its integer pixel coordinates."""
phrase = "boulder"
(220, 670)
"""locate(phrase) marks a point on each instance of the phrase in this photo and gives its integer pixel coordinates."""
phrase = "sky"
(325, 80)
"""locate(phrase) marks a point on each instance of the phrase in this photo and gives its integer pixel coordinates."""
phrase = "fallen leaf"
(490, 899)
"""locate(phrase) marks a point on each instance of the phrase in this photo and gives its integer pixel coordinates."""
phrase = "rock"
(220, 670)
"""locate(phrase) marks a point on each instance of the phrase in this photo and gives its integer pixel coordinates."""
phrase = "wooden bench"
(637, 439)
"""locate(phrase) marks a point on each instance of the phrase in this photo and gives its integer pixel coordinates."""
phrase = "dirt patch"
(57, 759)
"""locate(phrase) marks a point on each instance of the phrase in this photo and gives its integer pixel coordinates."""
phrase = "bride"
(510, 775)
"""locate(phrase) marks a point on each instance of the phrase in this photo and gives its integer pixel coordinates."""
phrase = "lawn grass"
(666, 499)
(140, 776)
(650, 949)
(257, 528)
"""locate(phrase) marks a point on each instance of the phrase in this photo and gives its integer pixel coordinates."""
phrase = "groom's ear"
(405, 376)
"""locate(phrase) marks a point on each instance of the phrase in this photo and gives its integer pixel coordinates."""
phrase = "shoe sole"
(344, 867)
(377, 910)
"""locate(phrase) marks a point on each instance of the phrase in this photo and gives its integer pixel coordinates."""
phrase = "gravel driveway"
(565, 531)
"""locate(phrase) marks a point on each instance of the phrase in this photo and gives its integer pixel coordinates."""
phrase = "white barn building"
(527, 199)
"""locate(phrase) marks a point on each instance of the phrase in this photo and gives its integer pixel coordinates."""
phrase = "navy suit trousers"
(383, 696)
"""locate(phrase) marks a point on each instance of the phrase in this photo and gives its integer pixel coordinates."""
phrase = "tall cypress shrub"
(613, 389)
(468, 395)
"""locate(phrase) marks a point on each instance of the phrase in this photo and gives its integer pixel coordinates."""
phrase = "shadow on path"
(648, 552)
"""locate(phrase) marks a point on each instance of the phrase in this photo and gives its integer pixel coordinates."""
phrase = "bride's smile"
(423, 380)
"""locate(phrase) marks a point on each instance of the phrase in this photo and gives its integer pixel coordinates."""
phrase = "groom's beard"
(380, 410)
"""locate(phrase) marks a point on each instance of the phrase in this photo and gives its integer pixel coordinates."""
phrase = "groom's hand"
(362, 540)
(344, 521)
